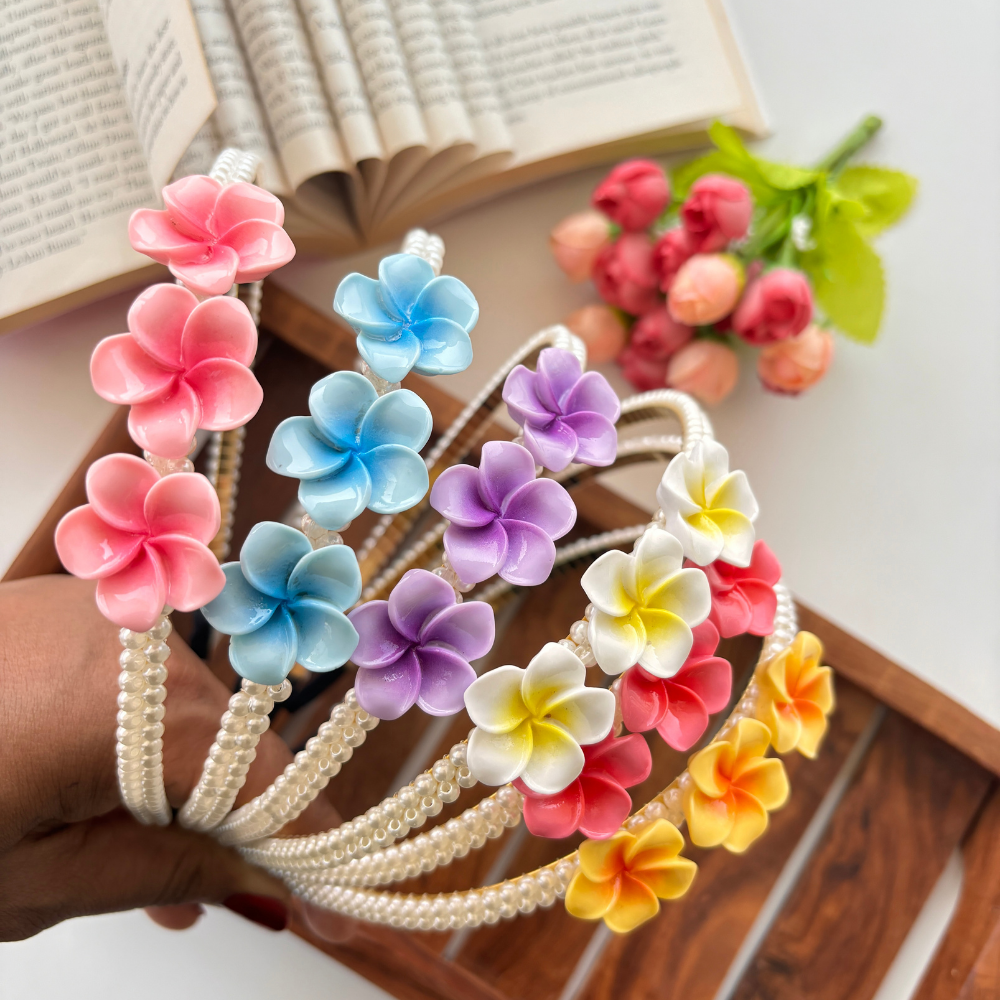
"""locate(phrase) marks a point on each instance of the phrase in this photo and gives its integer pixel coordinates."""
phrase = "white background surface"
(878, 489)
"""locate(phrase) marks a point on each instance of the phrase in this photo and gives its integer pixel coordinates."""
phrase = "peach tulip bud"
(706, 289)
(601, 329)
(576, 241)
(792, 366)
(705, 369)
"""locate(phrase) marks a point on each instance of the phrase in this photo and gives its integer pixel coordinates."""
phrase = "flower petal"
(390, 691)
(336, 500)
(592, 393)
(709, 768)
(156, 319)
(556, 759)
(476, 553)
(749, 822)
(330, 574)
(399, 417)
(117, 487)
(212, 274)
(552, 673)
(522, 401)
(685, 720)
(552, 446)
(685, 594)
(455, 495)
(626, 760)
(219, 327)
(750, 738)
(239, 608)
(497, 758)
(503, 467)
(586, 714)
(357, 301)
(616, 643)
(710, 820)
(393, 359)
(603, 860)
(589, 900)
(737, 533)
(401, 279)
(597, 439)
(765, 779)
(379, 642)
(658, 558)
(190, 202)
(90, 548)
(166, 426)
(671, 881)
(553, 816)
(241, 201)
(448, 297)
(469, 628)
(531, 554)
(711, 679)
(122, 372)
(135, 595)
(762, 603)
(813, 728)
(326, 637)
(183, 503)
(543, 503)
(644, 700)
(609, 583)
(418, 595)
(262, 247)
(494, 701)
(445, 348)
(636, 903)
(444, 678)
(269, 554)
(298, 449)
(733, 493)
(668, 642)
(193, 575)
(265, 655)
(399, 478)
(339, 403)
(764, 565)
(606, 806)
(151, 232)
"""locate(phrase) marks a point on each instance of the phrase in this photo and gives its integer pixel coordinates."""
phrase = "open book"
(369, 115)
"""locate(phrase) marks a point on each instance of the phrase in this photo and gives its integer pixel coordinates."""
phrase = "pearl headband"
(547, 739)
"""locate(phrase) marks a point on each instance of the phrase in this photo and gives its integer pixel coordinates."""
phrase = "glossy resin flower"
(567, 415)
(356, 450)
(596, 803)
(284, 603)
(623, 879)
(144, 539)
(796, 696)
(182, 365)
(530, 724)
(503, 520)
(645, 605)
(416, 647)
(710, 509)
(211, 236)
(678, 707)
(743, 598)
(409, 319)
(733, 788)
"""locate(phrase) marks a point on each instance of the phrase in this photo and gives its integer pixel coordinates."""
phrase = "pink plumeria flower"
(144, 539)
(211, 236)
(182, 365)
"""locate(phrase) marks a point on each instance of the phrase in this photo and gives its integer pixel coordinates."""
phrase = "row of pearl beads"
(303, 779)
(446, 911)
(320, 537)
(379, 827)
(139, 747)
(230, 756)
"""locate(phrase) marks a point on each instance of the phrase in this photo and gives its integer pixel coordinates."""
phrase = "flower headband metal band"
(550, 740)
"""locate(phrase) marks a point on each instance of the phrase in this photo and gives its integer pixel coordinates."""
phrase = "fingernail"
(264, 910)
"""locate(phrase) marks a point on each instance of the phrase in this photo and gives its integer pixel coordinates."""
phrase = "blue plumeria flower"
(283, 604)
(357, 450)
(409, 319)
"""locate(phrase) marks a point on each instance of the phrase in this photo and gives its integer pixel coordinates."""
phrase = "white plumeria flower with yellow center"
(710, 509)
(645, 605)
(531, 723)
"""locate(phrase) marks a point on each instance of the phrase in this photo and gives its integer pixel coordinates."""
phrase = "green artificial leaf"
(884, 195)
(847, 277)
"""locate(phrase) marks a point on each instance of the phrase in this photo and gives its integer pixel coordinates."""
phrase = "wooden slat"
(886, 846)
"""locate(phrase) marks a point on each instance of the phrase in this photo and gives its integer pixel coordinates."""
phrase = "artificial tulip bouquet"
(732, 248)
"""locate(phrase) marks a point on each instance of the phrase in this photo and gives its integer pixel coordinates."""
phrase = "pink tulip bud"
(633, 194)
(576, 241)
(644, 373)
(792, 366)
(717, 210)
(706, 369)
(657, 335)
(624, 275)
(672, 250)
(601, 329)
(776, 306)
(706, 288)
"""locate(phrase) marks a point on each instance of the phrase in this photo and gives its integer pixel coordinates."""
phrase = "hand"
(67, 847)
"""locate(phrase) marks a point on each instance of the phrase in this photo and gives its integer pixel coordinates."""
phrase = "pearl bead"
(257, 724)
(161, 629)
(153, 713)
(154, 695)
(458, 755)
(155, 674)
(132, 660)
(132, 640)
(130, 683)
(156, 652)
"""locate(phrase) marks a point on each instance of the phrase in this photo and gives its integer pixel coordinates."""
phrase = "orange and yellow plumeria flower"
(733, 788)
(796, 696)
(623, 879)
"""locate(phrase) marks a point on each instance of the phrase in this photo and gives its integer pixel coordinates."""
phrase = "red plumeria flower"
(211, 236)
(182, 365)
(743, 598)
(678, 707)
(596, 803)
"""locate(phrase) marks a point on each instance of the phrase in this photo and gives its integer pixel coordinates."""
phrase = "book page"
(199, 157)
(167, 87)
(72, 169)
(238, 119)
(579, 73)
(282, 65)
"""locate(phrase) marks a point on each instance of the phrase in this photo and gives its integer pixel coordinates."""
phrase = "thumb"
(112, 863)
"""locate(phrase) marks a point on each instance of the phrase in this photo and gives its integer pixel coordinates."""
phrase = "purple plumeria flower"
(503, 519)
(567, 415)
(416, 647)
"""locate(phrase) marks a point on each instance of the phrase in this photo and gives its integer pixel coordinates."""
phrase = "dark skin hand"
(67, 847)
